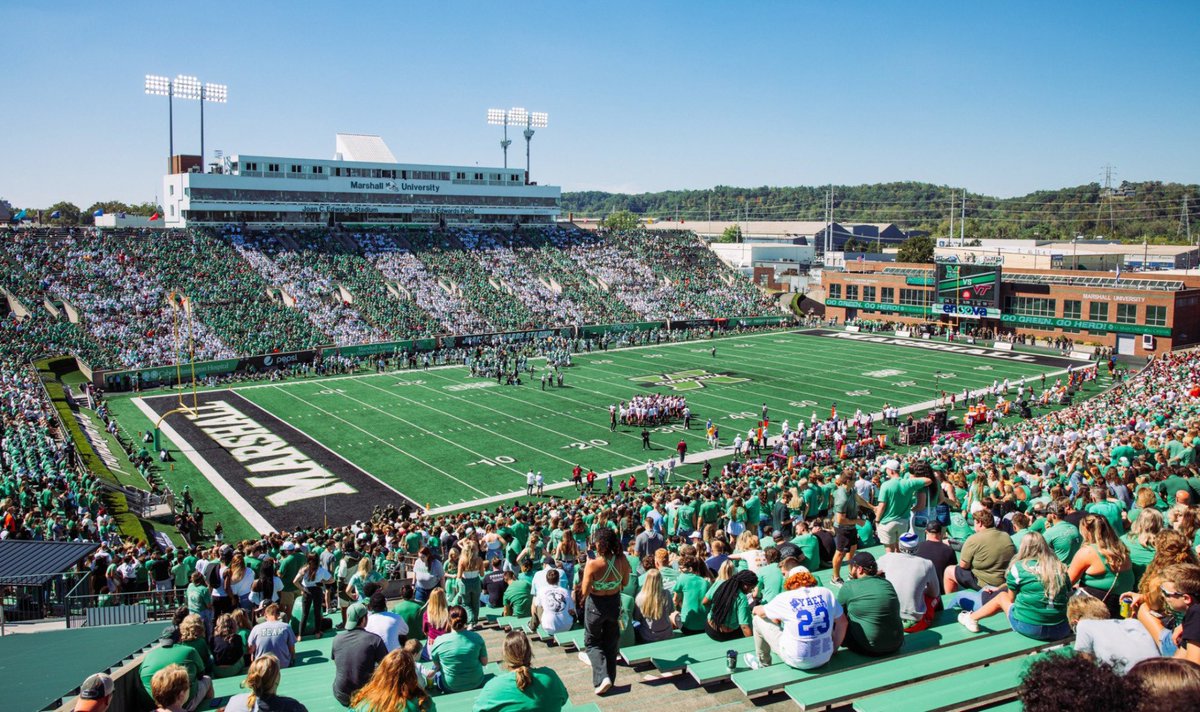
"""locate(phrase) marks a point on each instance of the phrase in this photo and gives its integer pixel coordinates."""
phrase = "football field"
(289, 453)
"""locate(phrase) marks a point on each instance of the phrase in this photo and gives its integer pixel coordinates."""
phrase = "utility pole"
(951, 240)
(962, 223)
(1106, 197)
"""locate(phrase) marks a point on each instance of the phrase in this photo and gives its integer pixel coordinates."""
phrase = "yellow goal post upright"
(180, 305)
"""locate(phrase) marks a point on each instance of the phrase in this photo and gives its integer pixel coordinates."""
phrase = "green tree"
(916, 249)
(733, 233)
(68, 213)
(621, 220)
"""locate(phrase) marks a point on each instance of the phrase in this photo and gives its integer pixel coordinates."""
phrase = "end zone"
(278, 477)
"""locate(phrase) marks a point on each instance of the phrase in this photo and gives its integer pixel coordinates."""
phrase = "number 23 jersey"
(807, 616)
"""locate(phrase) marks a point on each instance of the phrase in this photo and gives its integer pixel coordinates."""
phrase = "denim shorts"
(1046, 633)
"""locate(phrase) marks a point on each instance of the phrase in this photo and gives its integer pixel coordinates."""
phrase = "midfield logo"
(687, 380)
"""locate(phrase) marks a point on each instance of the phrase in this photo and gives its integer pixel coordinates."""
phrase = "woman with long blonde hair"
(393, 687)
(525, 688)
(1039, 589)
(435, 621)
(1140, 540)
(654, 608)
(1102, 566)
(262, 679)
(469, 574)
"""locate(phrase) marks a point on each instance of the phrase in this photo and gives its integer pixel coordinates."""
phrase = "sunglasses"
(1168, 594)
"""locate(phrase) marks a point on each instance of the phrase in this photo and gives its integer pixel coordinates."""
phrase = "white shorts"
(889, 534)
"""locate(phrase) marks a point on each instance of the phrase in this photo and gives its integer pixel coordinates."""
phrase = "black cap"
(933, 526)
(865, 560)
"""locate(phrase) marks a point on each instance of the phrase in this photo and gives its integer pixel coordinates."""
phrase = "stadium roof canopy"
(33, 563)
(360, 147)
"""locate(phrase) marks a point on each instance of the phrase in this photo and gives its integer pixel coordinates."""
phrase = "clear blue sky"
(1001, 98)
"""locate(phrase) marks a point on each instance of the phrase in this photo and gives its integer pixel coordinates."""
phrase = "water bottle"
(731, 660)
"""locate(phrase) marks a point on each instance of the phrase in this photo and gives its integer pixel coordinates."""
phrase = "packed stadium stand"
(929, 578)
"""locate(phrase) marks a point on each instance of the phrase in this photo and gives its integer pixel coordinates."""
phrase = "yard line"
(570, 438)
(385, 442)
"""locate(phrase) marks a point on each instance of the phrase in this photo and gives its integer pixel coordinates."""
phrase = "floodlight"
(517, 116)
(157, 85)
(186, 87)
(216, 93)
(538, 120)
(496, 117)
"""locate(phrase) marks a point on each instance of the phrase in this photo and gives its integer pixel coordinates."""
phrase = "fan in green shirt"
(526, 688)
(690, 590)
(1064, 538)
(872, 607)
(518, 596)
(460, 656)
(896, 498)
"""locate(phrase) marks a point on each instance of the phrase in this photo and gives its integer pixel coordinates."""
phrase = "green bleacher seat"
(639, 654)
(838, 688)
(975, 686)
(490, 614)
(945, 631)
(588, 707)
(702, 649)
(571, 640)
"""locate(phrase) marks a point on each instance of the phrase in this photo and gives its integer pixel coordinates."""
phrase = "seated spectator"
(262, 679)
(804, 625)
(985, 557)
(518, 595)
(1036, 598)
(1122, 643)
(390, 627)
(273, 637)
(95, 694)
(191, 634)
(410, 611)
(1102, 566)
(169, 653)
(654, 610)
(937, 552)
(728, 606)
(525, 688)
(229, 652)
(1056, 682)
(355, 654)
(872, 608)
(494, 585)
(435, 621)
(554, 607)
(915, 582)
(1166, 683)
(690, 590)
(1181, 589)
(170, 689)
(395, 686)
(458, 655)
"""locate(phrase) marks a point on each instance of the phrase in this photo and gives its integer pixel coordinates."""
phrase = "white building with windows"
(363, 183)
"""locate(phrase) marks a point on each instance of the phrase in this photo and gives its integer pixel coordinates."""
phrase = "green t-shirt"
(897, 496)
(289, 566)
(412, 542)
(810, 546)
(199, 598)
(692, 589)
(457, 653)
(1031, 604)
(710, 512)
(411, 612)
(770, 581)
(1110, 511)
(162, 656)
(1139, 555)
(846, 504)
(545, 693)
(1064, 538)
(519, 595)
(988, 554)
(739, 615)
(873, 610)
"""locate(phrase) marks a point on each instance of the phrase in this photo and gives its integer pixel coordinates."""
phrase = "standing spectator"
(289, 566)
(604, 576)
(428, 573)
(355, 654)
(311, 581)
(896, 499)
(262, 679)
(872, 608)
(273, 637)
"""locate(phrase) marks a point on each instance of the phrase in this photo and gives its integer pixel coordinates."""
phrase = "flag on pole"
(20, 215)
(98, 213)
(56, 215)
(154, 216)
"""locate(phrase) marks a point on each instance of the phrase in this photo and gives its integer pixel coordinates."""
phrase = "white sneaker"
(752, 661)
(583, 657)
(968, 622)
(605, 686)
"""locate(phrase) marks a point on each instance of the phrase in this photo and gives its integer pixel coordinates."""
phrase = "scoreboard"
(971, 285)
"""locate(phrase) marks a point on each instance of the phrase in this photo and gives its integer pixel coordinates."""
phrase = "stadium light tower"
(188, 87)
(517, 116)
(499, 117)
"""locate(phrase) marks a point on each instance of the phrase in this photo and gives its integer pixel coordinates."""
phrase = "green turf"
(444, 438)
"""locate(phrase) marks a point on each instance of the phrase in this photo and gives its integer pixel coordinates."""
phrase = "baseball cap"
(865, 560)
(169, 634)
(892, 464)
(934, 526)
(695, 535)
(96, 687)
(797, 570)
(908, 541)
(287, 546)
(355, 615)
